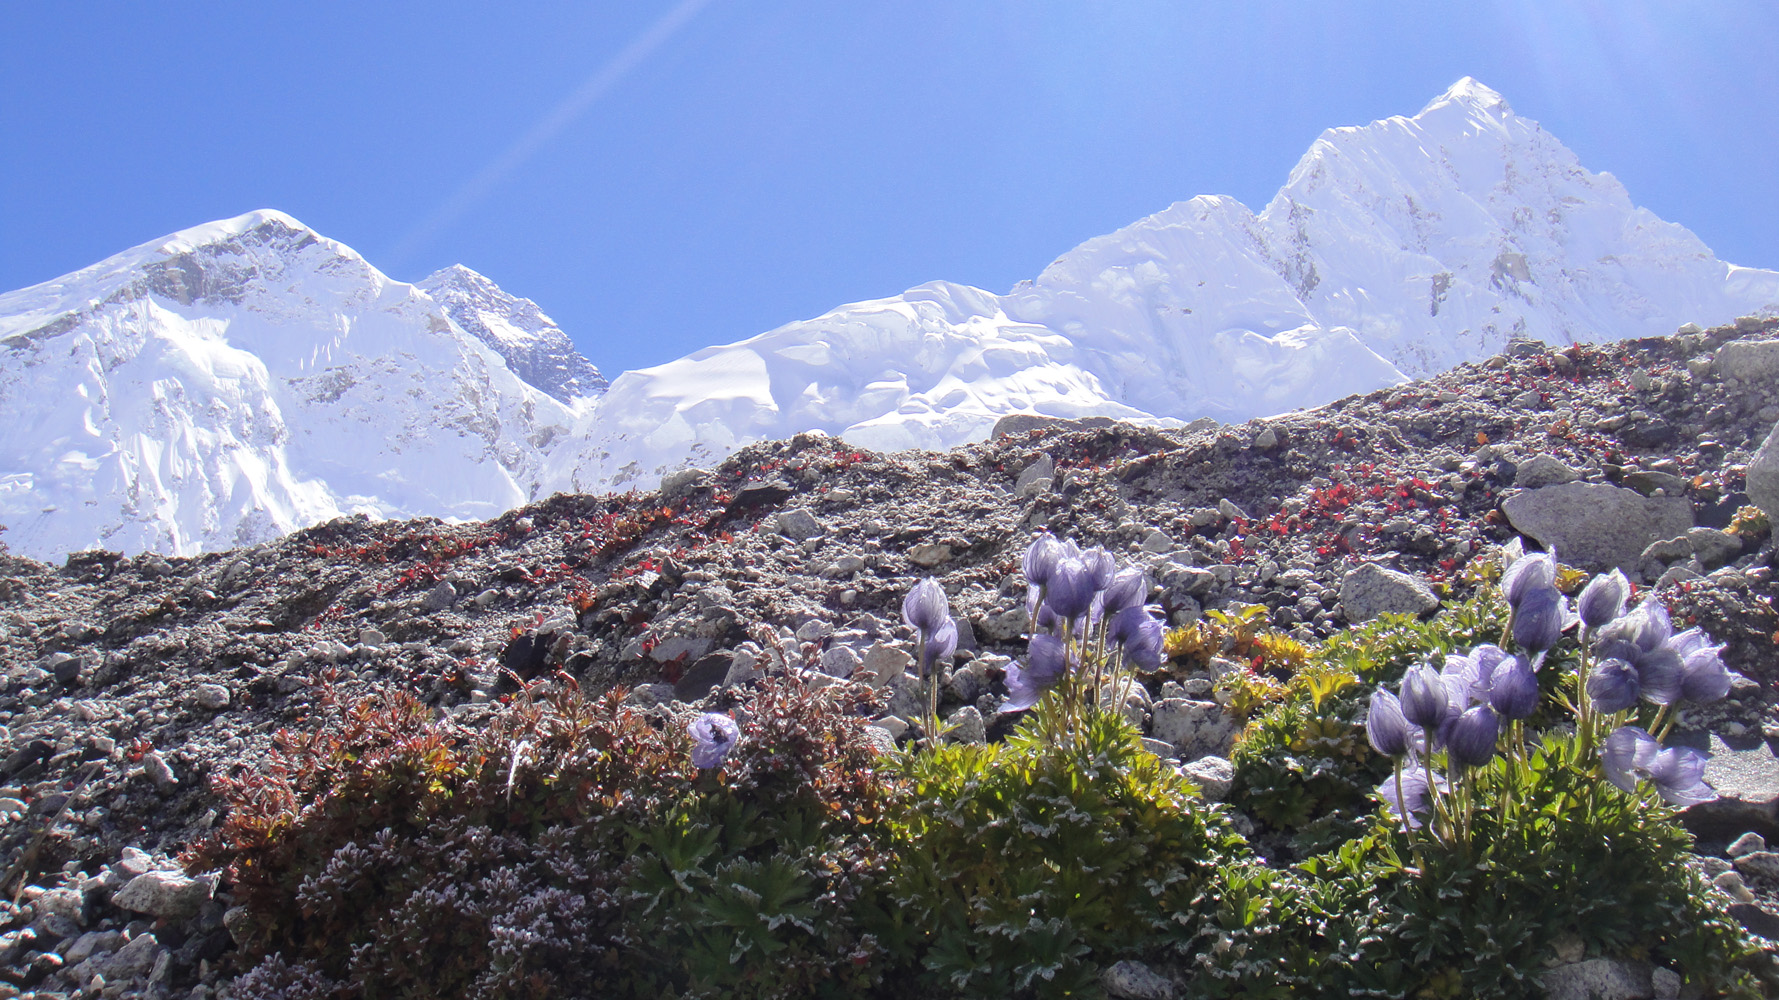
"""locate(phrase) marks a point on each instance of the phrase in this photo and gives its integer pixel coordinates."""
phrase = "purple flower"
(1070, 593)
(1424, 698)
(1101, 567)
(1041, 558)
(1704, 678)
(713, 736)
(1531, 571)
(1613, 686)
(1513, 690)
(1603, 599)
(1469, 677)
(925, 608)
(1678, 774)
(1129, 588)
(938, 647)
(1646, 626)
(1661, 674)
(1141, 636)
(1414, 794)
(1471, 741)
(1539, 619)
(1385, 725)
(1046, 663)
(1628, 752)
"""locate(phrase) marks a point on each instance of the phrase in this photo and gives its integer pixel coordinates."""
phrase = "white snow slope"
(1395, 250)
(242, 379)
(248, 377)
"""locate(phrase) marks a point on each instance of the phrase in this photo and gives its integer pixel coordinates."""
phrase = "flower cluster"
(927, 611)
(1476, 706)
(1092, 629)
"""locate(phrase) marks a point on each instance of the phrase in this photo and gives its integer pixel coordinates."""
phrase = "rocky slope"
(126, 682)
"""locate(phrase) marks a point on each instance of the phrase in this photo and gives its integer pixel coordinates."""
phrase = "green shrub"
(1023, 867)
(565, 848)
(1303, 766)
(1362, 921)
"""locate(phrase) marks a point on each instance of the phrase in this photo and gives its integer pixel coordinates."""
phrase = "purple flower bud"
(1041, 558)
(1539, 619)
(1661, 675)
(1628, 752)
(1603, 599)
(1046, 663)
(1646, 626)
(925, 607)
(1070, 593)
(1129, 589)
(1678, 774)
(1385, 726)
(713, 735)
(1424, 699)
(1613, 686)
(1415, 795)
(1531, 571)
(1513, 690)
(1141, 636)
(1471, 741)
(939, 647)
(1704, 678)
(1101, 567)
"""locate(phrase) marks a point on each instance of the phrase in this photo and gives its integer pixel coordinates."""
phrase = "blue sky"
(665, 174)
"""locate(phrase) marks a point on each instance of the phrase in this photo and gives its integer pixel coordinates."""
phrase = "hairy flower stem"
(1414, 841)
(1584, 743)
(1663, 723)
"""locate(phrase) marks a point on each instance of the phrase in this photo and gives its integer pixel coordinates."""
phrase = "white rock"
(1213, 775)
(166, 894)
(213, 697)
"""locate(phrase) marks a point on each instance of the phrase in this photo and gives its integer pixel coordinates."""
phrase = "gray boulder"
(1213, 776)
(166, 894)
(1128, 980)
(800, 524)
(1371, 590)
(1748, 360)
(1195, 728)
(1543, 470)
(1037, 477)
(1747, 783)
(1595, 526)
(1763, 475)
(1600, 979)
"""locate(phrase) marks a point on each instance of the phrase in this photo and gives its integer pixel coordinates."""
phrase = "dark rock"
(703, 676)
(25, 756)
(764, 494)
(1757, 919)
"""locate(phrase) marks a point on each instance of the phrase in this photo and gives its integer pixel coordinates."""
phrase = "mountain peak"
(531, 343)
(1472, 92)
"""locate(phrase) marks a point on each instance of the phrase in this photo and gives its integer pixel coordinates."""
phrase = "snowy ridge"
(1397, 249)
(242, 379)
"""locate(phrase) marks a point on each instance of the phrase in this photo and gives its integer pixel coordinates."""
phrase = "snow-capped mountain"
(241, 379)
(532, 345)
(1396, 249)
